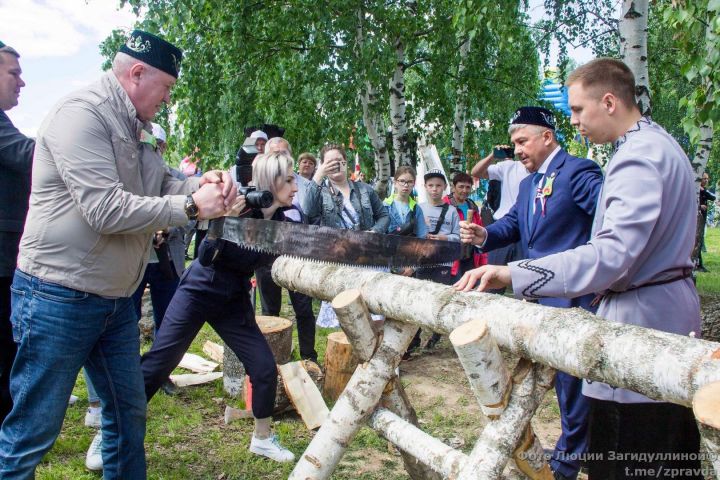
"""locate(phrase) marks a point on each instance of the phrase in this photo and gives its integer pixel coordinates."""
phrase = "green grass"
(186, 436)
(709, 283)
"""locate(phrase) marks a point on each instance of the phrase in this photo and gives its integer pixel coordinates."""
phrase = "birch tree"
(633, 30)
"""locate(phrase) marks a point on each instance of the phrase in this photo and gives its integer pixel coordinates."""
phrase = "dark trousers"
(7, 348)
(438, 275)
(162, 290)
(502, 256)
(575, 423)
(621, 429)
(206, 294)
(271, 299)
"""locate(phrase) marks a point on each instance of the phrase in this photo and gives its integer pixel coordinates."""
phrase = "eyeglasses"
(406, 183)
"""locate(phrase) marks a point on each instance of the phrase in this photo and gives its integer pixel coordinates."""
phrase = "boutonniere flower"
(147, 137)
(547, 188)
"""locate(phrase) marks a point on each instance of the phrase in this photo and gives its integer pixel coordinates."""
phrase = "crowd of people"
(94, 216)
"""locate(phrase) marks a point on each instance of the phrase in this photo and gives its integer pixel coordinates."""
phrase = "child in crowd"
(442, 223)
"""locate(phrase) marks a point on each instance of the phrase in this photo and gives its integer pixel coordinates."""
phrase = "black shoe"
(702, 269)
(169, 388)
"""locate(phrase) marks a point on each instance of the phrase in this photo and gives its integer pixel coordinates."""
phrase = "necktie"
(533, 194)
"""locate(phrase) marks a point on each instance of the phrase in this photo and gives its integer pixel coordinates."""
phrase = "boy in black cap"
(443, 223)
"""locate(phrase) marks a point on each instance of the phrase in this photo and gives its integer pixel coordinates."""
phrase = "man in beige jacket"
(99, 191)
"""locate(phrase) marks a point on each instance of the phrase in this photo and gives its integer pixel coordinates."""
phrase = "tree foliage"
(298, 64)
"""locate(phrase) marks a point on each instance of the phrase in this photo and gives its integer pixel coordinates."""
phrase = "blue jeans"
(57, 331)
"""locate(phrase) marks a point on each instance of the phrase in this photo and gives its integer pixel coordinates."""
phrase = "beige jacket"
(96, 194)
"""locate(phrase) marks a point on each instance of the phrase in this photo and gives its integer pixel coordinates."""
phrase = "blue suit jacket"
(566, 223)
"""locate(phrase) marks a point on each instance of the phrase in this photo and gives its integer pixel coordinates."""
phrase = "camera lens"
(259, 199)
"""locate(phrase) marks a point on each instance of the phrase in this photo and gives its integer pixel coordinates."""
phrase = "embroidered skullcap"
(533, 116)
(154, 51)
(435, 173)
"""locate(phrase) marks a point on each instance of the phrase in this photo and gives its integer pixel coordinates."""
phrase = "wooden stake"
(196, 363)
(356, 322)
(529, 457)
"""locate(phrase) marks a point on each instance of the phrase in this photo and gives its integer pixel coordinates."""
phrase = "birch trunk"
(660, 365)
(702, 153)
(439, 457)
(375, 126)
(401, 144)
(374, 123)
(633, 48)
(460, 110)
(354, 406)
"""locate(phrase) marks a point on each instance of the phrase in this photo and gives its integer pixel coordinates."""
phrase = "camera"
(254, 198)
(504, 152)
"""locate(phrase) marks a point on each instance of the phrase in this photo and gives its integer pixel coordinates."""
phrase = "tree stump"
(340, 364)
(278, 333)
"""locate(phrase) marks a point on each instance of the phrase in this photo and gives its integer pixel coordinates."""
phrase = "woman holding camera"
(219, 294)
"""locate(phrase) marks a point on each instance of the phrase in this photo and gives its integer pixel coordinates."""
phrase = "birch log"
(706, 406)
(500, 437)
(396, 401)
(356, 322)
(440, 457)
(483, 363)
(354, 406)
(661, 365)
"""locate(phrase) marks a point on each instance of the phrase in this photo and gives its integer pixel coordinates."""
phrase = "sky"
(58, 43)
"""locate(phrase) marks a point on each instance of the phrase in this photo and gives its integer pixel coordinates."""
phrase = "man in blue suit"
(553, 212)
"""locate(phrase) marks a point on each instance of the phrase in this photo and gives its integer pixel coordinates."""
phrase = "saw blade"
(336, 245)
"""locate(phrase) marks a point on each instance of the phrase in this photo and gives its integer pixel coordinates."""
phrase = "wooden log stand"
(340, 364)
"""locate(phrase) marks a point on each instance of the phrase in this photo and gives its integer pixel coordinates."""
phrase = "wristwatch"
(191, 210)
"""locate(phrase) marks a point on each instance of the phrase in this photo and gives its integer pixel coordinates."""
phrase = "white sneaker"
(93, 459)
(93, 417)
(271, 448)
(72, 400)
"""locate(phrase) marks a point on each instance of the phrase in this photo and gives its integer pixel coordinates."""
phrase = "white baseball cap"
(259, 134)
